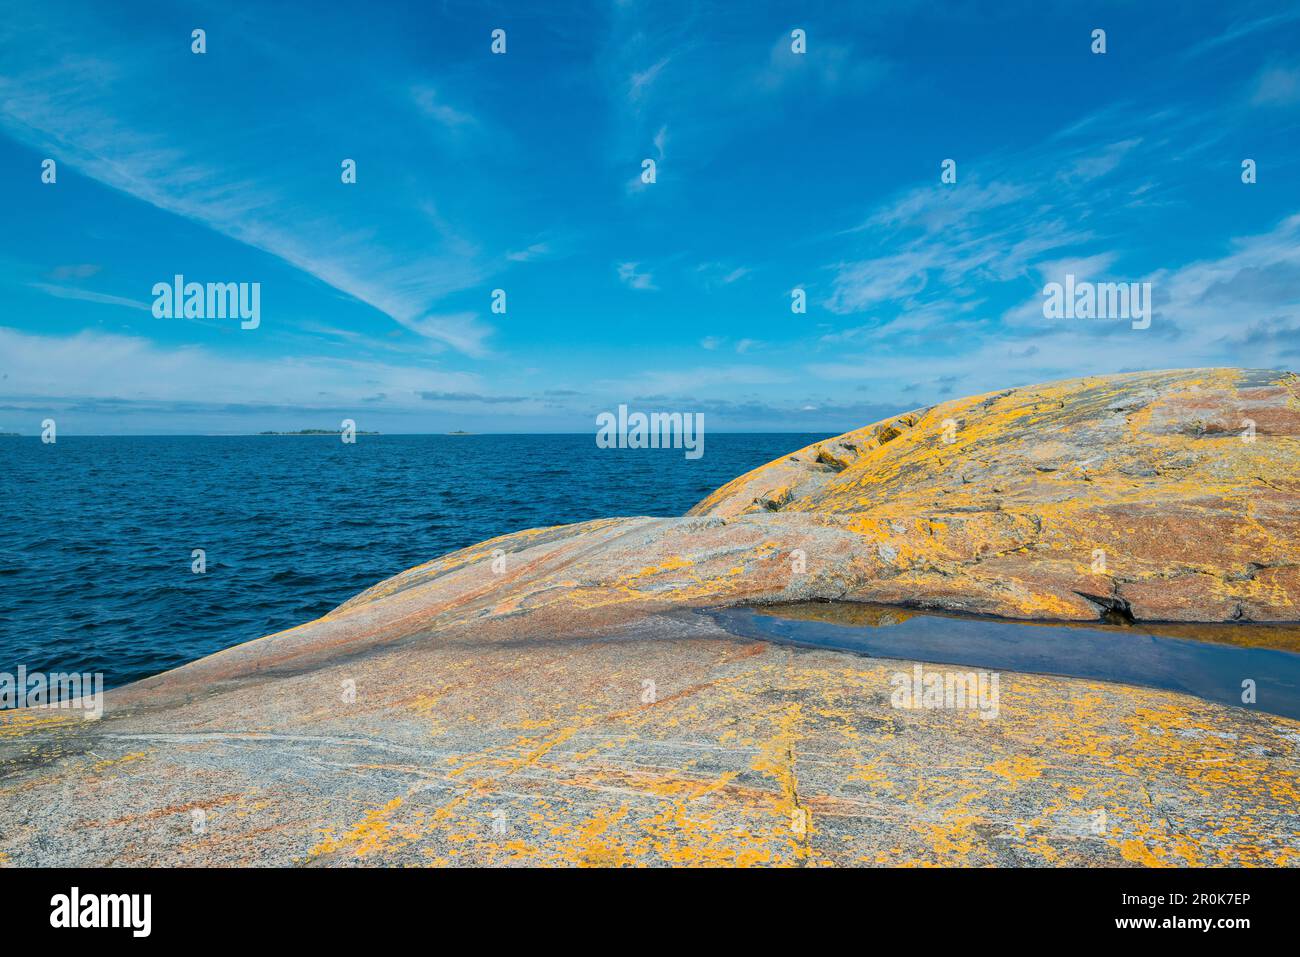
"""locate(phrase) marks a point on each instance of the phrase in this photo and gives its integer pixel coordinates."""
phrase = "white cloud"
(634, 279)
(832, 67)
(1218, 299)
(86, 295)
(861, 285)
(687, 381)
(1096, 165)
(639, 83)
(461, 330)
(1242, 308)
(74, 107)
(535, 251)
(430, 104)
(1239, 30)
(936, 208)
(105, 366)
(1277, 86)
(1090, 268)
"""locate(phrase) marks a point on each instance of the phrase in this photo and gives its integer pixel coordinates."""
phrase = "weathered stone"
(515, 699)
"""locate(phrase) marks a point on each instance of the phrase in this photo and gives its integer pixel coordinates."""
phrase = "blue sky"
(521, 172)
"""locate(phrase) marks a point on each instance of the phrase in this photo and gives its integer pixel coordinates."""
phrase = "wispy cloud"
(111, 120)
(634, 278)
(528, 254)
(1254, 290)
(827, 66)
(87, 295)
(640, 82)
(940, 250)
(475, 397)
(686, 381)
(130, 368)
(462, 331)
(429, 102)
(1277, 86)
(1095, 165)
(1240, 31)
(714, 274)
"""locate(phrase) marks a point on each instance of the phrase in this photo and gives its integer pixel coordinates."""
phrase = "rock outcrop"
(551, 696)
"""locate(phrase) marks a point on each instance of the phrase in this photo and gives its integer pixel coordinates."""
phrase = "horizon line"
(320, 435)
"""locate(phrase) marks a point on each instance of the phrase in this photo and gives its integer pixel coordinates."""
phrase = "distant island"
(318, 432)
(460, 432)
(816, 756)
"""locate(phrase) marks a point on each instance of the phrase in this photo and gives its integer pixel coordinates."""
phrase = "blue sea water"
(96, 543)
(1135, 655)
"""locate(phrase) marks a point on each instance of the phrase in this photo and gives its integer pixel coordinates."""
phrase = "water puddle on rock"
(1209, 661)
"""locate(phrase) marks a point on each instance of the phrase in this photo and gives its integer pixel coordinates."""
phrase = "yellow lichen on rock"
(550, 697)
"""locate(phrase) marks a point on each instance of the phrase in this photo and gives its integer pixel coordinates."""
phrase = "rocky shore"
(555, 696)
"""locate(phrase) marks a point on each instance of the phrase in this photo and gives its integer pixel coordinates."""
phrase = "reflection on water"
(1210, 661)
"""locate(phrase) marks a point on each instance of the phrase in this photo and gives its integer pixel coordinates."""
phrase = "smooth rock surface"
(505, 715)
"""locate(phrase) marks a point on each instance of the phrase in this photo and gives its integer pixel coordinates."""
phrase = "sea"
(97, 547)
